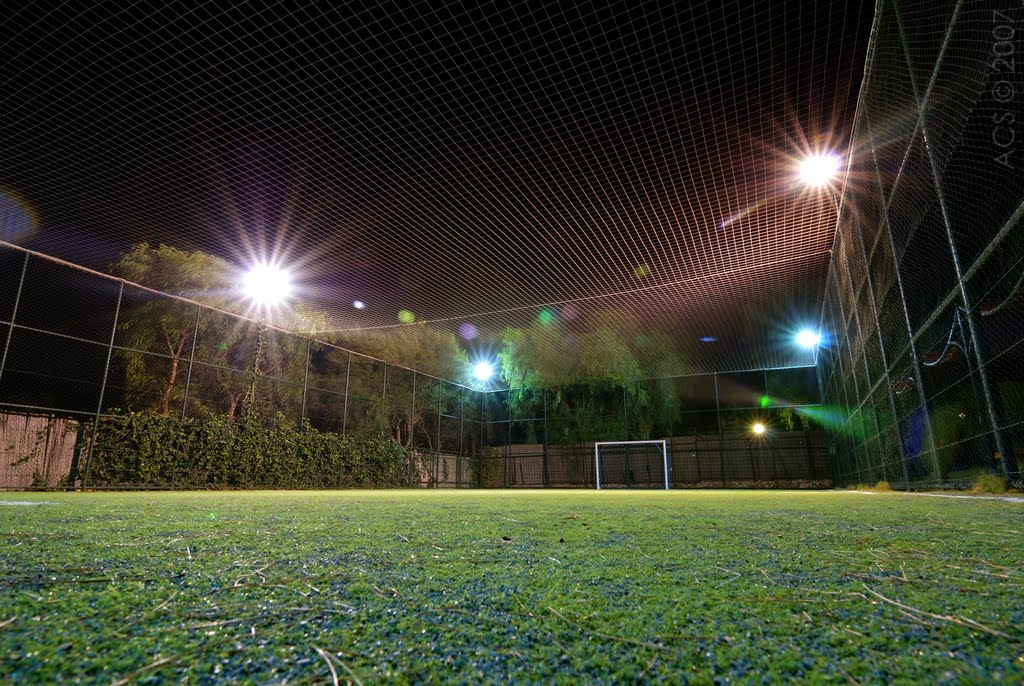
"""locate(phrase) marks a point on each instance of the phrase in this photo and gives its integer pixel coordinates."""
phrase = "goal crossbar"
(597, 456)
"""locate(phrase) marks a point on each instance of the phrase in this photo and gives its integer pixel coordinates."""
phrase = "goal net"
(631, 464)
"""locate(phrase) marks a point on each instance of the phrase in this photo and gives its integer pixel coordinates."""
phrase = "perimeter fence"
(105, 383)
(924, 375)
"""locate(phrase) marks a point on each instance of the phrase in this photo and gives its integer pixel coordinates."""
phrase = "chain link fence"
(923, 379)
(80, 348)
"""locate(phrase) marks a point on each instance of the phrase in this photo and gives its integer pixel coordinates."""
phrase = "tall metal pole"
(547, 473)
(191, 360)
(103, 387)
(344, 411)
(14, 314)
(462, 446)
(305, 382)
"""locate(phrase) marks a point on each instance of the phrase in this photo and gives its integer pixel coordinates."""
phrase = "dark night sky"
(467, 162)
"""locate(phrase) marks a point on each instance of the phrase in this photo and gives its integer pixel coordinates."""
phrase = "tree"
(403, 404)
(156, 324)
(611, 361)
(157, 334)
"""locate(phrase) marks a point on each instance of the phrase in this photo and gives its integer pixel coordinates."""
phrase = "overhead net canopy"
(470, 167)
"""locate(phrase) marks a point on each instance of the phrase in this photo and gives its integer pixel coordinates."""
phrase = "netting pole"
(437, 446)
(721, 437)
(191, 360)
(344, 407)
(625, 416)
(545, 456)
(305, 383)
(914, 358)
(14, 314)
(977, 343)
(414, 465)
(855, 317)
(508, 440)
(885, 361)
(1002, 446)
(462, 440)
(103, 388)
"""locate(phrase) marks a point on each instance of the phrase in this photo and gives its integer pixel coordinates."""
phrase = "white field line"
(1005, 499)
(25, 502)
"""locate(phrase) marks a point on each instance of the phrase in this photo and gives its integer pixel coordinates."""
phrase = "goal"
(631, 464)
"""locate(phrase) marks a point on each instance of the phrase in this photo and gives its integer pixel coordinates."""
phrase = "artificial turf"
(510, 586)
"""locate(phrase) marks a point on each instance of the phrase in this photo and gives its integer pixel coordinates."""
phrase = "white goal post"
(625, 469)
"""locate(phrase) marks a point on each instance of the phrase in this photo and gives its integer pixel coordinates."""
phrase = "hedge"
(157, 451)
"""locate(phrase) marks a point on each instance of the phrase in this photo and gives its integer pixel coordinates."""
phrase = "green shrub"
(152, 450)
(989, 483)
(883, 487)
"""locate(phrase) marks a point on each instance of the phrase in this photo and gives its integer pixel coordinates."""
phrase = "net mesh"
(632, 465)
(459, 165)
(924, 293)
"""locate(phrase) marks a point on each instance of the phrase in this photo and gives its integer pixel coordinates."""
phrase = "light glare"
(483, 371)
(759, 428)
(808, 339)
(267, 285)
(819, 170)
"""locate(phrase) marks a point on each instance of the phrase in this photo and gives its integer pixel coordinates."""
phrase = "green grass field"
(500, 586)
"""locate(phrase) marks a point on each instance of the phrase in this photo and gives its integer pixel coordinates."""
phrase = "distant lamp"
(483, 371)
(267, 285)
(758, 428)
(808, 339)
(819, 170)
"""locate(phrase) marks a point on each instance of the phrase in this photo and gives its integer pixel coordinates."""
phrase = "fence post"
(344, 410)
(103, 388)
(547, 474)
(305, 381)
(191, 359)
(437, 446)
(462, 448)
(415, 464)
(14, 314)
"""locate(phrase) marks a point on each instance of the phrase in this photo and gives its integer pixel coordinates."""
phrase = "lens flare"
(406, 316)
(267, 284)
(546, 317)
(808, 339)
(359, 304)
(468, 332)
(819, 170)
(17, 218)
(483, 371)
(758, 428)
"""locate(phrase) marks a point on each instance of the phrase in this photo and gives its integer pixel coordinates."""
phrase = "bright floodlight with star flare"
(819, 170)
(758, 428)
(808, 339)
(483, 371)
(267, 285)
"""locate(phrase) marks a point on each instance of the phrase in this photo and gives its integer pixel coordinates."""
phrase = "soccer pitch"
(510, 586)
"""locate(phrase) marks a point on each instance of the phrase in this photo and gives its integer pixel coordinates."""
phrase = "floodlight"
(819, 170)
(359, 304)
(758, 428)
(266, 284)
(808, 338)
(483, 371)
